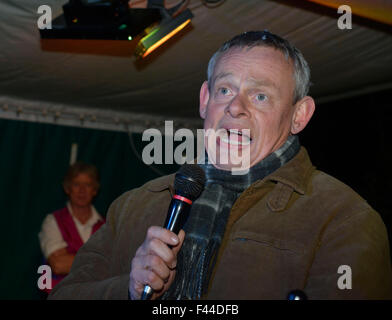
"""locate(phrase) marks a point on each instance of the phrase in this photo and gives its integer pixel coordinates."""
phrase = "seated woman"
(64, 231)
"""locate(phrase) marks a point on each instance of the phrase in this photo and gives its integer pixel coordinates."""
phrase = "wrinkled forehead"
(260, 61)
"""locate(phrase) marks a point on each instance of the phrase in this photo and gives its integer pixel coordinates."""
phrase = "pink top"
(70, 235)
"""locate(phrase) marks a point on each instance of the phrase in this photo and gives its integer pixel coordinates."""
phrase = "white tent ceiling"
(101, 78)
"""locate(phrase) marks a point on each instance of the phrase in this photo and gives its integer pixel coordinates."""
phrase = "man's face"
(251, 89)
(81, 190)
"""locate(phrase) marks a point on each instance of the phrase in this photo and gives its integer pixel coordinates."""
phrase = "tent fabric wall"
(34, 158)
(104, 74)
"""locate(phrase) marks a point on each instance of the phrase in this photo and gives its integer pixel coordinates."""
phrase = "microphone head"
(189, 181)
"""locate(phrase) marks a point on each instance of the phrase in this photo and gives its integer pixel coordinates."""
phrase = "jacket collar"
(162, 183)
(294, 173)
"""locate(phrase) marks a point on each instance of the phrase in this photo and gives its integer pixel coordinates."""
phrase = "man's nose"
(237, 107)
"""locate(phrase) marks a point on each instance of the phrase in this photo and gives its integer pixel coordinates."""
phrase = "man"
(66, 230)
(281, 226)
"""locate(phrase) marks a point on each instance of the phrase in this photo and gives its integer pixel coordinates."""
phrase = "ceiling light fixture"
(162, 33)
(115, 20)
(100, 19)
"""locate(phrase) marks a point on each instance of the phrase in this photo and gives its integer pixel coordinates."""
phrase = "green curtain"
(33, 161)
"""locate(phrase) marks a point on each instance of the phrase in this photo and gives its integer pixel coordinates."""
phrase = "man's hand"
(154, 263)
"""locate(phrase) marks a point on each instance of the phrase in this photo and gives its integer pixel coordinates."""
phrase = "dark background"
(351, 140)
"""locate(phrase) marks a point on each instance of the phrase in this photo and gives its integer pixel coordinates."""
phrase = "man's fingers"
(162, 234)
(157, 243)
(153, 263)
(159, 248)
(150, 278)
(155, 260)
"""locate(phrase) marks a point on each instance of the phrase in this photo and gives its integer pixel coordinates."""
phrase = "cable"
(212, 3)
(133, 147)
(168, 12)
(178, 8)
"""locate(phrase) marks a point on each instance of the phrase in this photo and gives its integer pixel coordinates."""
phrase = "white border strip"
(58, 114)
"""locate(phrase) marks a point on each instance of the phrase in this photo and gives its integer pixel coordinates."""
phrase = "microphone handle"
(176, 217)
(177, 214)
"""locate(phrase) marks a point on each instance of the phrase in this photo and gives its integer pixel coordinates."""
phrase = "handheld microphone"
(188, 185)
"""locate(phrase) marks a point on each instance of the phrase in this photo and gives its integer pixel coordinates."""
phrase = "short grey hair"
(267, 39)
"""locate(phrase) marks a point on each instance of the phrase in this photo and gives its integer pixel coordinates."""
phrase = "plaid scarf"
(208, 217)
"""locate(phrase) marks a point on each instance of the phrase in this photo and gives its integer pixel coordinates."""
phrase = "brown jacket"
(291, 230)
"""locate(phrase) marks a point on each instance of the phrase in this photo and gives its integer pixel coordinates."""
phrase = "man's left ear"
(204, 96)
(304, 110)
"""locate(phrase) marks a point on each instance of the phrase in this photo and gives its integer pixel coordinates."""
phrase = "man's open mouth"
(236, 137)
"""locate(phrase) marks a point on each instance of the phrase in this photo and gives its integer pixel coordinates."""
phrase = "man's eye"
(223, 91)
(261, 97)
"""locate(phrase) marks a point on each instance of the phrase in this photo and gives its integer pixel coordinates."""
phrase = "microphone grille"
(189, 181)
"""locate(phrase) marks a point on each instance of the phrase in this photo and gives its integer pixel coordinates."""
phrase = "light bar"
(162, 33)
